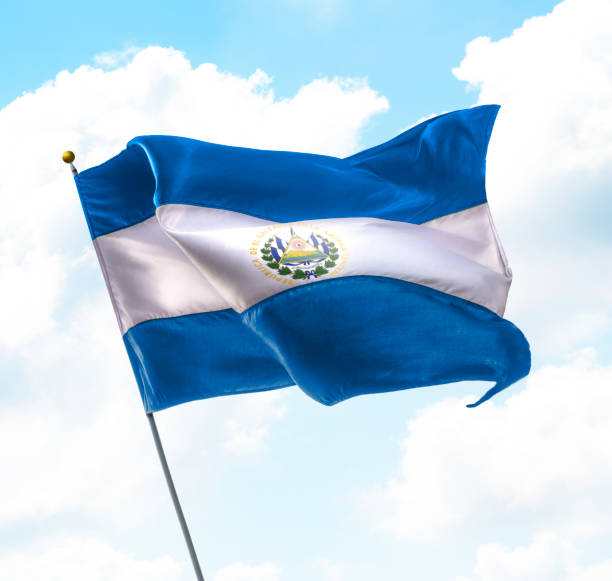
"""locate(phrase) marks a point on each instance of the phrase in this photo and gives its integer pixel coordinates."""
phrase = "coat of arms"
(306, 255)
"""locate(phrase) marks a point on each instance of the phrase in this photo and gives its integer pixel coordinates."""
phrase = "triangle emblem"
(298, 251)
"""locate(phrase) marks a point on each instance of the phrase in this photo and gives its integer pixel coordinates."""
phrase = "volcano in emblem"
(299, 251)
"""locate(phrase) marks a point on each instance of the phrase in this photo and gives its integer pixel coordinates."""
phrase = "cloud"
(553, 78)
(540, 458)
(74, 559)
(548, 558)
(80, 447)
(536, 461)
(248, 428)
(95, 112)
(331, 570)
(76, 423)
(88, 557)
(115, 58)
(242, 572)
(548, 168)
(31, 312)
(79, 420)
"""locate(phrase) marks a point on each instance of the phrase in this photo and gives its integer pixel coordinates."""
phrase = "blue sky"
(275, 486)
(405, 49)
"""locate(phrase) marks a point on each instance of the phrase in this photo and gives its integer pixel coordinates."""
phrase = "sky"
(408, 485)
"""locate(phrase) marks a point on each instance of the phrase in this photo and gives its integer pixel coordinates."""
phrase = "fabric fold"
(233, 270)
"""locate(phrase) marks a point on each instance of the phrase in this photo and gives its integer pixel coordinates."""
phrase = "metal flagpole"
(69, 157)
(175, 500)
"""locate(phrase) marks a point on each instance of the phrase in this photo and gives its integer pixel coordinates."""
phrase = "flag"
(236, 270)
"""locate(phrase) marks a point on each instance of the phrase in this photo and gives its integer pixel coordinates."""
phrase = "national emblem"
(304, 257)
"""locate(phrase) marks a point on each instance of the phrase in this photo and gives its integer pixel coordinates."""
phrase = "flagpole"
(69, 157)
(175, 499)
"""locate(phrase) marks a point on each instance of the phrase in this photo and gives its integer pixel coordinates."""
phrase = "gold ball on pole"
(68, 156)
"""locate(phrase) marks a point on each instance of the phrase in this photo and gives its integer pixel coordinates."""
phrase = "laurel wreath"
(298, 273)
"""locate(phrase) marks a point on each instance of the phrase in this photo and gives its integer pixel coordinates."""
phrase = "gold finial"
(68, 156)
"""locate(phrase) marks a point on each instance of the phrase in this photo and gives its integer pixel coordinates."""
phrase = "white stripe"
(458, 254)
(148, 277)
(475, 237)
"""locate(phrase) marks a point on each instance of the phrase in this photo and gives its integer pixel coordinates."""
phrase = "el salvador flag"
(236, 270)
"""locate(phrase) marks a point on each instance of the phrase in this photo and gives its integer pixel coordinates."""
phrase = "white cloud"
(79, 438)
(95, 112)
(21, 280)
(77, 433)
(553, 78)
(87, 557)
(331, 570)
(541, 456)
(77, 419)
(115, 58)
(577, 328)
(75, 559)
(248, 428)
(239, 425)
(80, 448)
(548, 168)
(548, 558)
(242, 572)
(539, 460)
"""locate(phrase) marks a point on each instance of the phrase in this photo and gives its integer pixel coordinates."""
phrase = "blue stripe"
(181, 359)
(351, 336)
(359, 335)
(118, 193)
(431, 170)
